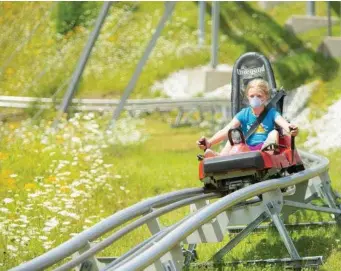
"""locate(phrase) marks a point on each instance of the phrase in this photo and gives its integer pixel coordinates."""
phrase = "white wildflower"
(75, 194)
(34, 195)
(25, 239)
(48, 245)
(50, 224)
(12, 248)
(4, 210)
(76, 140)
(69, 214)
(8, 200)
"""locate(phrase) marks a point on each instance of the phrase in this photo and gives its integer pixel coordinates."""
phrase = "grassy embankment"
(57, 185)
(48, 59)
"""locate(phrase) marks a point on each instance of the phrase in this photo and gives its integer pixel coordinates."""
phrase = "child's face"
(255, 92)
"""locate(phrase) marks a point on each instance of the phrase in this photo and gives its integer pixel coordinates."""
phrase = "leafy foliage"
(72, 14)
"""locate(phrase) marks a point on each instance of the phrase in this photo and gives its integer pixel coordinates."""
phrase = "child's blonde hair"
(259, 84)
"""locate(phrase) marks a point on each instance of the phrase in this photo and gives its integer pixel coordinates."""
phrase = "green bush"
(72, 14)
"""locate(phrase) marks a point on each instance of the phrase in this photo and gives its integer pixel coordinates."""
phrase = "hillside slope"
(35, 61)
(54, 185)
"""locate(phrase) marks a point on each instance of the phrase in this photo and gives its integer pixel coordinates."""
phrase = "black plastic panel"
(247, 160)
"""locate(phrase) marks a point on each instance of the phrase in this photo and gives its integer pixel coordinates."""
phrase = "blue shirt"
(246, 117)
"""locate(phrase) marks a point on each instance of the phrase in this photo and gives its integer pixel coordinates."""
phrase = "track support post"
(171, 261)
(190, 254)
(178, 117)
(273, 203)
(217, 258)
(91, 264)
(282, 231)
(328, 196)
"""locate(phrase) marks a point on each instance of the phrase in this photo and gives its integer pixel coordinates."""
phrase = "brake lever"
(203, 142)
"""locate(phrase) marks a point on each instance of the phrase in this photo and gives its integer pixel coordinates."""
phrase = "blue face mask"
(255, 102)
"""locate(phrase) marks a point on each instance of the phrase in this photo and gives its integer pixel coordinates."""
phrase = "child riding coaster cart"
(259, 150)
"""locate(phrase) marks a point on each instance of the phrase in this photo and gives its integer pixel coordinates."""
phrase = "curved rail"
(204, 215)
(160, 243)
(155, 238)
(108, 241)
(79, 241)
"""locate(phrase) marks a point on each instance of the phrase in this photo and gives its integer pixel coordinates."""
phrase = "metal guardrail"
(211, 211)
(161, 104)
(79, 241)
(166, 239)
(145, 219)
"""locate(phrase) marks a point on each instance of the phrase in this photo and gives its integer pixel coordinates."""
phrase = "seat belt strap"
(261, 117)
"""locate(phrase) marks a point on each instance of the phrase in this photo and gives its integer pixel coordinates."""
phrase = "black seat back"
(250, 66)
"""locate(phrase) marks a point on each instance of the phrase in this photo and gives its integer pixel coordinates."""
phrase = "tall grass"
(50, 182)
(56, 185)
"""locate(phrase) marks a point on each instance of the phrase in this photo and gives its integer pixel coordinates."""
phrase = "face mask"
(255, 102)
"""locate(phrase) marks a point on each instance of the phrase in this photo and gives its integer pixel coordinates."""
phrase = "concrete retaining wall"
(208, 80)
(269, 4)
(331, 46)
(303, 23)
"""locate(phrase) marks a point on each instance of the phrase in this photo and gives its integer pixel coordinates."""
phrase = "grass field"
(53, 186)
(50, 191)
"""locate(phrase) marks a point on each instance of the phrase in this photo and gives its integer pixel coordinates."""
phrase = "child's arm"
(219, 136)
(288, 127)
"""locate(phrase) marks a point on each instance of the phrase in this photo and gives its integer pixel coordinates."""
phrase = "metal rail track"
(164, 104)
(165, 242)
(155, 252)
(81, 240)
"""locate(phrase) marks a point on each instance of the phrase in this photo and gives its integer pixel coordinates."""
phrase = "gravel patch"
(296, 100)
(325, 132)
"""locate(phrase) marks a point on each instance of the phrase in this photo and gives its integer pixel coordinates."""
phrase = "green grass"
(39, 180)
(114, 176)
(48, 59)
(165, 161)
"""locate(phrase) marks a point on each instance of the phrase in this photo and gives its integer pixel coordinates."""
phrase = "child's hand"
(203, 143)
(293, 130)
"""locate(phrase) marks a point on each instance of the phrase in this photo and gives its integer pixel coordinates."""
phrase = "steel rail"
(114, 101)
(128, 255)
(204, 215)
(137, 247)
(133, 252)
(139, 222)
(163, 104)
(79, 241)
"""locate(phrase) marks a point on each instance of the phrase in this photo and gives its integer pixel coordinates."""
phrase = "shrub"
(72, 14)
